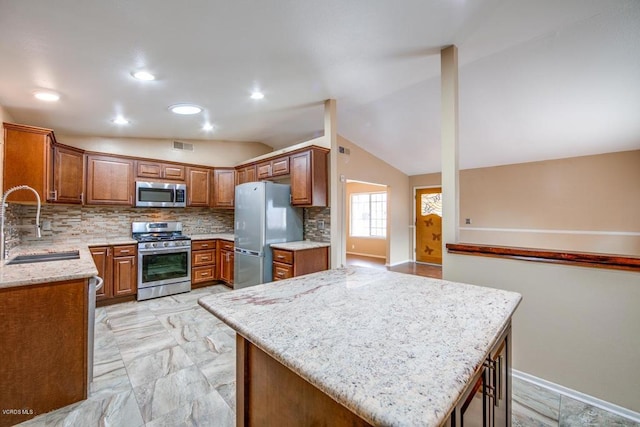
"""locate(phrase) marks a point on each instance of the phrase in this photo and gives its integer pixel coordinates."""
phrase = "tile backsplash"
(314, 229)
(76, 222)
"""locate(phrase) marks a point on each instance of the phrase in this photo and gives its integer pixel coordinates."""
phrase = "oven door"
(162, 266)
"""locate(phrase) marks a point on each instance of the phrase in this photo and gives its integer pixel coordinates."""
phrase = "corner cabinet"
(198, 187)
(109, 180)
(224, 185)
(309, 178)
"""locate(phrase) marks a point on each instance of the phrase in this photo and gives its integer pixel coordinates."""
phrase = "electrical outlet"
(46, 225)
(467, 221)
(321, 224)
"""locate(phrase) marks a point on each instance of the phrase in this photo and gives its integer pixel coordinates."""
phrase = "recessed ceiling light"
(46, 96)
(143, 75)
(120, 121)
(185, 109)
(257, 95)
(207, 127)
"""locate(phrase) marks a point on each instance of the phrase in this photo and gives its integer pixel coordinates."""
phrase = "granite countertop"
(300, 245)
(212, 236)
(46, 272)
(394, 348)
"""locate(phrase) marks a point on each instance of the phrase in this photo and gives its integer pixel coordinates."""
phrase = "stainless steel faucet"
(3, 247)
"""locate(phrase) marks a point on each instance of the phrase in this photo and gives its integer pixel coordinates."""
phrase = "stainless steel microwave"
(160, 195)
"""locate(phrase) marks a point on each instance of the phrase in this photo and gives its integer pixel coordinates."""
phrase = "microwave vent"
(177, 145)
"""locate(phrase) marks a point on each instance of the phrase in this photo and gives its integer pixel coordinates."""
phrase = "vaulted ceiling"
(539, 79)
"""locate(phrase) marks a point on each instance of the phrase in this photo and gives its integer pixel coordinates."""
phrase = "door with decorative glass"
(429, 225)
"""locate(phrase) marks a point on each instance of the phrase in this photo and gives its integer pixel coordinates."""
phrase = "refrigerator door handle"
(248, 252)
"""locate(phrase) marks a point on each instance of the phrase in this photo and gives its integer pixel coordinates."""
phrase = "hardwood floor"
(419, 269)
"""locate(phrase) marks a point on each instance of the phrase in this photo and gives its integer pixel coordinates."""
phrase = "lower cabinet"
(487, 402)
(203, 262)
(117, 265)
(226, 262)
(290, 263)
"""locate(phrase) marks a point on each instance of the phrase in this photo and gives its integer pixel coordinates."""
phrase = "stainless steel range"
(164, 259)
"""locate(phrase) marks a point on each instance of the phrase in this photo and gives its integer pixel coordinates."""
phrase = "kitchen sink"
(53, 256)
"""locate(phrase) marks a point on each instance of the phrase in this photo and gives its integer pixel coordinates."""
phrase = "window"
(369, 215)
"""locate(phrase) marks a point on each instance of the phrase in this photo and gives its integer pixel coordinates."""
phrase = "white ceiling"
(539, 79)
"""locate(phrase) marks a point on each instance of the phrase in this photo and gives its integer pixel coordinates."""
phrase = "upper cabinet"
(198, 186)
(272, 168)
(156, 170)
(109, 180)
(27, 161)
(32, 157)
(68, 175)
(224, 180)
(309, 177)
(246, 174)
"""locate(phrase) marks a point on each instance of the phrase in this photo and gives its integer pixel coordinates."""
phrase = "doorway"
(428, 225)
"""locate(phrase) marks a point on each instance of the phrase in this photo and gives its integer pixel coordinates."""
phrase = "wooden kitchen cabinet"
(309, 178)
(117, 265)
(109, 180)
(198, 186)
(289, 263)
(68, 175)
(226, 262)
(224, 186)
(203, 262)
(246, 174)
(158, 170)
(275, 167)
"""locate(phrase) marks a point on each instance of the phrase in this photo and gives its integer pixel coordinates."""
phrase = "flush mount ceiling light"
(46, 95)
(185, 109)
(120, 121)
(143, 75)
(208, 127)
(256, 94)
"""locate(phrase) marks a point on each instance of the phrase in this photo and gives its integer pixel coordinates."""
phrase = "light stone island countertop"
(47, 272)
(395, 349)
(223, 236)
(300, 245)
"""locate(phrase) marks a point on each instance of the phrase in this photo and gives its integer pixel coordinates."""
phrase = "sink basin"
(54, 256)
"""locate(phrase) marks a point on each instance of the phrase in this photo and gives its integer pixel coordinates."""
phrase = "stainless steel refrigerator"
(263, 215)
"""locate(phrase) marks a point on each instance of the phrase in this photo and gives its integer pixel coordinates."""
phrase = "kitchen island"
(359, 346)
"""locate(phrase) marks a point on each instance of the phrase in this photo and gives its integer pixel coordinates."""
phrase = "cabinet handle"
(279, 257)
(205, 274)
(280, 274)
(124, 251)
(499, 381)
(81, 197)
(54, 195)
(205, 245)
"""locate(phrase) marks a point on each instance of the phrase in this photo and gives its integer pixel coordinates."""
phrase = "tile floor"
(168, 362)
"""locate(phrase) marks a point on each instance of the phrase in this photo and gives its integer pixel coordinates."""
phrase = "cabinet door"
(175, 172)
(224, 185)
(124, 276)
(68, 175)
(101, 259)
(280, 166)
(109, 180)
(226, 270)
(149, 169)
(301, 178)
(473, 412)
(263, 170)
(27, 161)
(198, 187)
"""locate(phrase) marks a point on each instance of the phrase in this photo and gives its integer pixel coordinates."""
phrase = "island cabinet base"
(487, 400)
(270, 394)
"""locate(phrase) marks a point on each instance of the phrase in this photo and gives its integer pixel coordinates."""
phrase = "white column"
(336, 201)
(449, 145)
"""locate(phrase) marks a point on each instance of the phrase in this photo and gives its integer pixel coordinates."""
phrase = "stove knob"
(155, 245)
(165, 244)
(148, 245)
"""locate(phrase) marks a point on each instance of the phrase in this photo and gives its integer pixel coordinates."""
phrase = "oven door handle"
(156, 251)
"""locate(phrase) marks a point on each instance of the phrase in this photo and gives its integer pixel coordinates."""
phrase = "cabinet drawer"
(282, 256)
(226, 245)
(203, 244)
(264, 170)
(174, 172)
(128, 250)
(203, 258)
(280, 167)
(202, 274)
(282, 271)
(149, 170)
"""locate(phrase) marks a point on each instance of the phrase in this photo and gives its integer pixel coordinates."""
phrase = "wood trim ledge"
(583, 259)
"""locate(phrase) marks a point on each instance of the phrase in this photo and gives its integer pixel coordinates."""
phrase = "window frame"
(371, 219)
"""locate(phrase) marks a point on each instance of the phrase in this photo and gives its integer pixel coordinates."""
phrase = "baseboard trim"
(367, 255)
(400, 262)
(582, 397)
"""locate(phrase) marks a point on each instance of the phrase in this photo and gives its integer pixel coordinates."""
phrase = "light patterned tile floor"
(168, 362)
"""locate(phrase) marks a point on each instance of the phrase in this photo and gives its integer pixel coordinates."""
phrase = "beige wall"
(209, 153)
(361, 165)
(589, 203)
(577, 327)
(363, 245)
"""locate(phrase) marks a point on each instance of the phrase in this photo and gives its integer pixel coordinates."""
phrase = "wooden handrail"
(584, 259)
